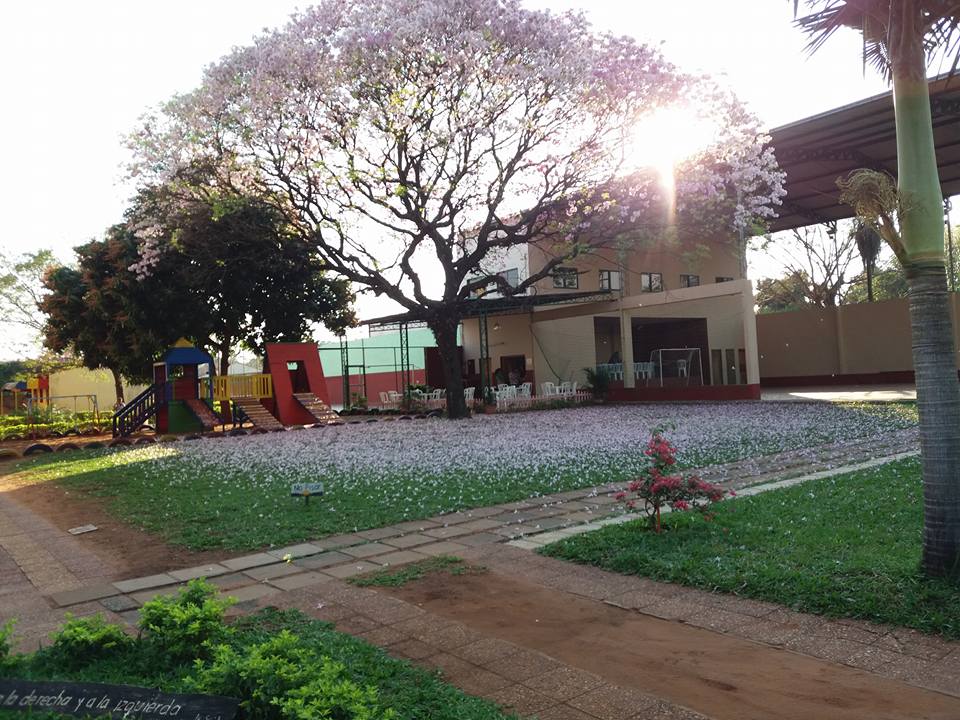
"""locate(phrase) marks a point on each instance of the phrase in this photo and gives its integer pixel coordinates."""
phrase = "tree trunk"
(938, 395)
(117, 386)
(869, 282)
(445, 331)
(934, 357)
(224, 349)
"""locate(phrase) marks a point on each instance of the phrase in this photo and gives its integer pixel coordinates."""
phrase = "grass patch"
(846, 546)
(397, 577)
(234, 493)
(267, 660)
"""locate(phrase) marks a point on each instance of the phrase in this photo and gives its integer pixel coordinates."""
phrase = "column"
(750, 335)
(626, 349)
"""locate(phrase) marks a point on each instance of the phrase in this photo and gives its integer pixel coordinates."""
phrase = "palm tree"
(899, 38)
(868, 245)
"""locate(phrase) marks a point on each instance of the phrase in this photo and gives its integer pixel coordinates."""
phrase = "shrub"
(81, 641)
(282, 679)
(186, 626)
(7, 657)
(598, 382)
(656, 488)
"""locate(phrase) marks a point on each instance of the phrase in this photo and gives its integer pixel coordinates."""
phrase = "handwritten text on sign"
(114, 701)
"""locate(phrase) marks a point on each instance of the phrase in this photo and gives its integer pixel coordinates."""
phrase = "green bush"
(7, 657)
(186, 626)
(283, 679)
(81, 641)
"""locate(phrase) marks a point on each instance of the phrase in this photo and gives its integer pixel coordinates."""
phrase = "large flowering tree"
(410, 143)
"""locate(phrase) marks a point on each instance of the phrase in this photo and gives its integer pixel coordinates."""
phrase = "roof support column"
(626, 348)
(751, 355)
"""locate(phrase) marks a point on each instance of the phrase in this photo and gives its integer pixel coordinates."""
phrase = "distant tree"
(816, 263)
(782, 294)
(869, 243)
(889, 283)
(21, 287)
(99, 312)
(230, 275)
(11, 370)
(248, 278)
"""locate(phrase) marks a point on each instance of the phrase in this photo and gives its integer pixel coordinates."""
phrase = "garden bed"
(845, 546)
(235, 492)
(281, 665)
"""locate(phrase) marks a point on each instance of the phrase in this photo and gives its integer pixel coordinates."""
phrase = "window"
(689, 280)
(566, 277)
(651, 282)
(723, 278)
(609, 279)
(512, 276)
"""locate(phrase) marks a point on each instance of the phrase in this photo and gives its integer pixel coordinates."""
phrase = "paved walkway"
(45, 574)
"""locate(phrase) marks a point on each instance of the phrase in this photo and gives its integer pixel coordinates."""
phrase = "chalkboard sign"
(306, 489)
(97, 700)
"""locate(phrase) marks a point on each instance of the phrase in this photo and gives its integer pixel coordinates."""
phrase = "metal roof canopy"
(817, 150)
(498, 306)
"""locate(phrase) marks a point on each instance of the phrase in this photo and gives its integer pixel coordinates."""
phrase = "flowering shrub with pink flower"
(657, 487)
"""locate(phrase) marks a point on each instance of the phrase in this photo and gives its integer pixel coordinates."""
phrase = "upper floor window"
(689, 281)
(724, 278)
(512, 276)
(566, 277)
(651, 282)
(610, 280)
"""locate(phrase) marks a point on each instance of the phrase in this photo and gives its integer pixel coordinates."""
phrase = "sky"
(75, 77)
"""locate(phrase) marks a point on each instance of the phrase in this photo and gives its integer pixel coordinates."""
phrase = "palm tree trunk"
(869, 282)
(934, 352)
(939, 403)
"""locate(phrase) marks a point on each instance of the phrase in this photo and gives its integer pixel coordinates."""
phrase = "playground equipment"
(25, 395)
(182, 399)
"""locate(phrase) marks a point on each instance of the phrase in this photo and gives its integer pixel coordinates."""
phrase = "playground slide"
(315, 406)
(207, 417)
(257, 413)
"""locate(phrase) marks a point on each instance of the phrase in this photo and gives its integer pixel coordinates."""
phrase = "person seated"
(614, 358)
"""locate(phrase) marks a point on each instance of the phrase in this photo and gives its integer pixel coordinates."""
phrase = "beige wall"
(80, 381)
(508, 335)
(670, 258)
(857, 339)
(562, 348)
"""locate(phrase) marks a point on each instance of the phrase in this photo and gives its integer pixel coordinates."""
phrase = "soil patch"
(134, 552)
(724, 677)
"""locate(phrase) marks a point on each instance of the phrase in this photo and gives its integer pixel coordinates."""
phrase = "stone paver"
(358, 567)
(269, 572)
(143, 583)
(402, 557)
(249, 561)
(368, 550)
(200, 571)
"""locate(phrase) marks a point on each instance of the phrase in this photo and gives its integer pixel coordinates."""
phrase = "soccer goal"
(680, 363)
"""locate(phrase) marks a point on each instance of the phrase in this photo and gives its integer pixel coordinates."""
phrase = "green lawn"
(846, 546)
(405, 690)
(234, 493)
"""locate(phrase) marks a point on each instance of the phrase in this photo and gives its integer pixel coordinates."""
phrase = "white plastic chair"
(468, 394)
(643, 371)
(525, 389)
(549, 389)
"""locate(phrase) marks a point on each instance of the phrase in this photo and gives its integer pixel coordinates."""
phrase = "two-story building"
(668, 319)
